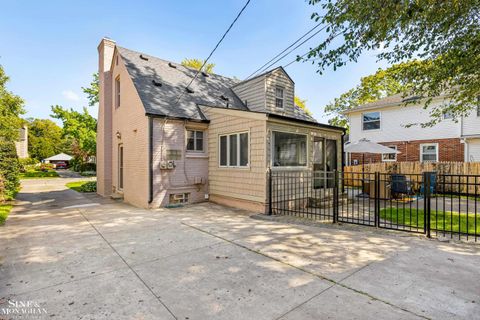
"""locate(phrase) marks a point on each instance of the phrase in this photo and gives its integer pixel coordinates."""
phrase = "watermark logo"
(21, 309)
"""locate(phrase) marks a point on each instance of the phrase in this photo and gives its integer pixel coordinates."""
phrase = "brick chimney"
(104, 127)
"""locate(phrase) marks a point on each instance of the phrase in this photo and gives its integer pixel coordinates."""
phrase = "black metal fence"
(428, 203)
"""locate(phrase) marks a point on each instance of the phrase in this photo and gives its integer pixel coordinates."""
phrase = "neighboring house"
(160, 144)
(22, 143)
(385, 122)
(61, 157)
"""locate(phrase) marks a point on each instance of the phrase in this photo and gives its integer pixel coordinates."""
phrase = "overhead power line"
(270, 63)
(214, 49)
(296, 41)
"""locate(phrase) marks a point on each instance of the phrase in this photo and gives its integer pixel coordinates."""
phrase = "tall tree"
(92, 91)
(45, 139)
(197, 64)
(381, 84)
(444, 34)
(80, 128)
(11, 108)
(302, 104)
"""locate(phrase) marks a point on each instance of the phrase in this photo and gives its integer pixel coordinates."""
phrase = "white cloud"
(70, 95)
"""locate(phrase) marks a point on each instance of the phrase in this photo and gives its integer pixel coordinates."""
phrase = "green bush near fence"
(83, 186)
(9, 170)
(448, 221)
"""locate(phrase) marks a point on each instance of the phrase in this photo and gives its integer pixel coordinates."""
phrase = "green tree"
(444, 34)
(80, 128)
(45, 139)
(381, 84)
(197, 64)
(9, 170)
(302, 104)
(11, 108)
(92, 91)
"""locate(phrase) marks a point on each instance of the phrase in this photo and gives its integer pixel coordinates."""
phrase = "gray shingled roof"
(161, 100)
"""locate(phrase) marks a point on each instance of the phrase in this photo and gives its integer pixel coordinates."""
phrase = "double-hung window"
(429, 152)
(279, 97)
(371, 121)
(390, 156)
(289, 149)
(194, 140)
(234, 149)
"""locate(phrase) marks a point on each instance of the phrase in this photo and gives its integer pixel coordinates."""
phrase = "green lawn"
(38, 174)
(4, 211)
(453, 222)
(83, 186)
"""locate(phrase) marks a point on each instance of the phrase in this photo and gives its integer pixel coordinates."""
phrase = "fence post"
(376, 200)
(270, 184)
(426, 205)
(335, 196)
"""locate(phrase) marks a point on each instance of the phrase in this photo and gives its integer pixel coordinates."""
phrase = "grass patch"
(443, 221)
(4, 211)
(38, 174)
(83, 186)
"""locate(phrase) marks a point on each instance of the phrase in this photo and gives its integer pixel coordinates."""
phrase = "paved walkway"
(84, 257)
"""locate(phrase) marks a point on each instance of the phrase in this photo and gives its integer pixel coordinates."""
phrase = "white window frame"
(379, 119)
(195, 140)
(238, 150)
(280, 98)
(390, 160)
(426, 145)
(117, 92)
(272, 151)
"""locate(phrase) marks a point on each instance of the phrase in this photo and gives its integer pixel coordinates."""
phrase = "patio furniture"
(433, 183)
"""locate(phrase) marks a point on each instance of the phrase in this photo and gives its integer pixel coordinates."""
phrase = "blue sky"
(48, 48)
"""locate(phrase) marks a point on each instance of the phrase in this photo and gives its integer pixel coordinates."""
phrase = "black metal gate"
(428, 203)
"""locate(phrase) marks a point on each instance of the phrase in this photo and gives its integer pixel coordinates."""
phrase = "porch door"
(324, 162)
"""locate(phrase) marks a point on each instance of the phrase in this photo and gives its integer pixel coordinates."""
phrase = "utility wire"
(296, 41)
(290, 51)
(214, 49)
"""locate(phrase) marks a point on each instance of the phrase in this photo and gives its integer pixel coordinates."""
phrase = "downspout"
(150, 160)
(343, 152)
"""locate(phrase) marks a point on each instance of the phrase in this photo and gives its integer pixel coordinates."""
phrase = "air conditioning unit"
(171, 164)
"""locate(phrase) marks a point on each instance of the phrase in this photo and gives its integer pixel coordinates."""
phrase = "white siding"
(471, 124)
(253, 92)
(393, 121)
(472, 153)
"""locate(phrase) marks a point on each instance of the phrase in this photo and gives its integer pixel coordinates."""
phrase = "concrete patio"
(84, 257)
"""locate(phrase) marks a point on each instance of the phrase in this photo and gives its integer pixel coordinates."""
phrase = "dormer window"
(279, 97)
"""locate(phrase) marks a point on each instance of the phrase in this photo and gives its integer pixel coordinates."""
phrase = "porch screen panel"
(233, 150)
(289, 149)
(243, 149)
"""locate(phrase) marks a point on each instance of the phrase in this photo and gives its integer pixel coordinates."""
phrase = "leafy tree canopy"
(92, 91)
(11, 108)
(445, 35)
(80, 128)
(45, 139)
(197, 64)
(302, 104)
(381, 84)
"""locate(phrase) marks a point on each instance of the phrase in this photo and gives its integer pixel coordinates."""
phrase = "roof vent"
(171, 65)
(143, 57)
(189, 90)
(156, 83)
(224, 98)
(205, 74)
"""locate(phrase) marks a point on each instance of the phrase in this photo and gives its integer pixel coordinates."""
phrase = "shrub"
(9, 169)
(88, 173)
(27, 164)
(90, 186)
(45, 167)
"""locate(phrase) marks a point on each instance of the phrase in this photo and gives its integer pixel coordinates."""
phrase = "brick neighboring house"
(385, 121)
(160, 144)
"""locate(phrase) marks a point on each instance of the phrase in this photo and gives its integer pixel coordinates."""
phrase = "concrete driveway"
(83, 257)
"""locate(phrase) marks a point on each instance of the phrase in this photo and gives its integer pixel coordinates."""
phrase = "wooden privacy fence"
(457, 177)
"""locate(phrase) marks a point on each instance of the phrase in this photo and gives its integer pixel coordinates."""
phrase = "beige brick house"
(160, 143)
